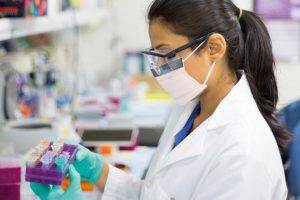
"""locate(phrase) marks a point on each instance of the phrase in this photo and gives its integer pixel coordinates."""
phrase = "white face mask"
(179, 84)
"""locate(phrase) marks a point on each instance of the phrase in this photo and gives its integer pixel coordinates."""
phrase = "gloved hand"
(88, 164)
(45, 192)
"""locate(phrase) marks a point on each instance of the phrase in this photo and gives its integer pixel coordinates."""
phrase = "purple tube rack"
(51, 174)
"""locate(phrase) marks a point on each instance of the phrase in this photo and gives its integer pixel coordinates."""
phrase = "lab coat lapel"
(191, 146)
(166, 146)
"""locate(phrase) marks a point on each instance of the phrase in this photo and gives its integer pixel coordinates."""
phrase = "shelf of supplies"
(15, 28)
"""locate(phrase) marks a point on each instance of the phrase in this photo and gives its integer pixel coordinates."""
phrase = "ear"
(216, 46)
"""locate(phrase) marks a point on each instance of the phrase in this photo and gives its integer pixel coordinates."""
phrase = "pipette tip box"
(49, 162)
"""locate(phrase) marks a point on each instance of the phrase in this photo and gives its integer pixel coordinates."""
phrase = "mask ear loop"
(185, 59)
(209, 73)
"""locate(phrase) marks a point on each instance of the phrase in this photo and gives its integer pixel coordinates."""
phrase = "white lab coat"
(232, 155)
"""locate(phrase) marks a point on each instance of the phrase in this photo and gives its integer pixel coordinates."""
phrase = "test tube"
(59, 142)
(41, 148)
(60, 161)
(45, 142)
(57, 148)
(33, 159)
(47, 158)
(36, 153)
(66, 155)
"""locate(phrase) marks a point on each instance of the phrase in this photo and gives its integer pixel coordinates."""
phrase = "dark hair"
(248, 41)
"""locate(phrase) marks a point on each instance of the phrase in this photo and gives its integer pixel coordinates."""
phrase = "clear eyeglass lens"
(155, 60)
(152, 60)
(156, 63)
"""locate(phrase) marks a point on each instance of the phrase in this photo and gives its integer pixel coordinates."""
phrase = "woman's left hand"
(45, 192)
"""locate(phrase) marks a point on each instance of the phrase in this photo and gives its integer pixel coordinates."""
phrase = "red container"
(10, 175)
(10, 192)
(10, 178)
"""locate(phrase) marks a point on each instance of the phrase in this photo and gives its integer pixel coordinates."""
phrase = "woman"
(222, 141)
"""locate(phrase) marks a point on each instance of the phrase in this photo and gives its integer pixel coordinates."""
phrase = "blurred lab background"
(72, 69)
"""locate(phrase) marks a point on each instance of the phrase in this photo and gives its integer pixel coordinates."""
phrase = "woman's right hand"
(88, 164)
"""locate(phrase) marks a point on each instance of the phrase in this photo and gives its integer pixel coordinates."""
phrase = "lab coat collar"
(193, 144)
(168, 156)
(239, 95)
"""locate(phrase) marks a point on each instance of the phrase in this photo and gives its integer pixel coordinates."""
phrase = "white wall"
(288, 77)
(132, 27)
(244, 4)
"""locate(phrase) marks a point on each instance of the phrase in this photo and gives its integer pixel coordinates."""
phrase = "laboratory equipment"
(25, 8)
(150, 136)
(133, 63)
(9, 94)
(118, 136)
(23, 134)
(10, 178)
(2, 83)
(49, 162)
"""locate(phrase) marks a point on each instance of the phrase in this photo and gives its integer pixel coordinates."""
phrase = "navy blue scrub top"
(179, 137)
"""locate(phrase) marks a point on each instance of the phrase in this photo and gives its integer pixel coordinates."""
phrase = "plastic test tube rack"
(49, 162)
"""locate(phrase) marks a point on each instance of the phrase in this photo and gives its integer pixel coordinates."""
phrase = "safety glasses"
(173, 53)
(164, 62)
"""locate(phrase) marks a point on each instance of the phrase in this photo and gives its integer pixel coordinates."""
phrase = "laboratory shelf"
(20, 27)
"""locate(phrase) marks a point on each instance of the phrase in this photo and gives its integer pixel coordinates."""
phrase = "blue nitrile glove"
(45, 192)
(88, 164)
